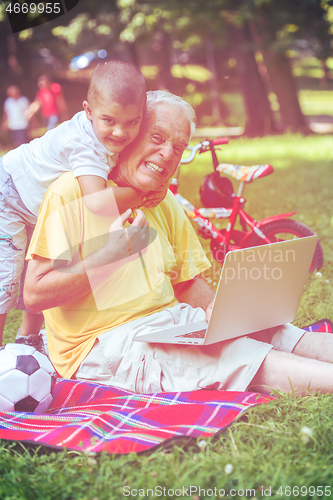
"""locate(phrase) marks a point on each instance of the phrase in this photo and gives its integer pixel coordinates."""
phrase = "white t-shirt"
(72, 145)
(15, 110)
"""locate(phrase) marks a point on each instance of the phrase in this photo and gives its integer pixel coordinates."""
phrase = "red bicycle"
(221, 202)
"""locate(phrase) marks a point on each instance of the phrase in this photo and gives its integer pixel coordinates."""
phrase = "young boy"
(88, 144)
(50, 101)
(14, 116)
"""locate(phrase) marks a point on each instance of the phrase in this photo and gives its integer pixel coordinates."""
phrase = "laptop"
(259, 287)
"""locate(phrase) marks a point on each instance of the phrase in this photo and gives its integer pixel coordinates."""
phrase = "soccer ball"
(27, 379)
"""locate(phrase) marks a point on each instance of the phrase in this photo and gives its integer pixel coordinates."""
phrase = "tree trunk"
(213, 87)
(16, 62)
(3, 58)
(165, 79)
(283, 85)
(260, 119)
(323, 83)
(134, 53)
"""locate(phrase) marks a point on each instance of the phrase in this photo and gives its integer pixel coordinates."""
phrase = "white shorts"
(16, 227)
(142, 367)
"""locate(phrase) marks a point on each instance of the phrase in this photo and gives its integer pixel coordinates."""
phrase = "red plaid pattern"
(93, 418)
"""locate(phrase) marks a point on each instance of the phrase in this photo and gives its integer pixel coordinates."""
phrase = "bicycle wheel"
(286, 229)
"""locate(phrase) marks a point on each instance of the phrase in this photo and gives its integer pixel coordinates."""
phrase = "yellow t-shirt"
(67, 230)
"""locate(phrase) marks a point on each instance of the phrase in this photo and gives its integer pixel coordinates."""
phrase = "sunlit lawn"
(268, 448)
(316, 102)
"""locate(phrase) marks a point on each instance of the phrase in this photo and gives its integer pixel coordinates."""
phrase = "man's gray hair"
(165, 97)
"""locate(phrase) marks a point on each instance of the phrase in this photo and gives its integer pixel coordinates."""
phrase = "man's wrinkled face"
(152, 159)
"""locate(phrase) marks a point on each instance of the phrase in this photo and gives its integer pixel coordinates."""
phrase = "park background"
(260, 72)
(256, 66)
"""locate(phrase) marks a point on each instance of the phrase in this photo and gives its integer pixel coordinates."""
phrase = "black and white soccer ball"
(27, 379)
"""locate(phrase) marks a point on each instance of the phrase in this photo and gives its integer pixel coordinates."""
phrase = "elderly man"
(99, 284)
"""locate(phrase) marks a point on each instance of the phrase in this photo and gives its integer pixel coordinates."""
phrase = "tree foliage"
(207, 32)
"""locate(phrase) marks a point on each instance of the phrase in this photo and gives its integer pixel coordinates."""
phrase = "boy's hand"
(154, 198)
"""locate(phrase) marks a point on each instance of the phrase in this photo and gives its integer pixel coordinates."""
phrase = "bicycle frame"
(223, 237)
(221, 192)
(230, 238)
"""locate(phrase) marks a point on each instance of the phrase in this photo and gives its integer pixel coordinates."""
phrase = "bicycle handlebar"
(221, 140)
(202, 147)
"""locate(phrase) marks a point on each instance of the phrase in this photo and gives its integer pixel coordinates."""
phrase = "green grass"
(316, 102)
(266, 448)
(302, 182)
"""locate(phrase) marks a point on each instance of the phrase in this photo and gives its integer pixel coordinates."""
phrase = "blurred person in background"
(14, 116)
(50, 101)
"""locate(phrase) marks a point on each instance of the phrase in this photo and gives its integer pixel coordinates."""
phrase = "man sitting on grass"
(99, 281)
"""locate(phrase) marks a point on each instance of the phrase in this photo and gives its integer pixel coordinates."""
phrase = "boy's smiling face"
(115, 126)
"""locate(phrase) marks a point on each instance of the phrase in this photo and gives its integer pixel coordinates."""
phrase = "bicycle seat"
(244, 173)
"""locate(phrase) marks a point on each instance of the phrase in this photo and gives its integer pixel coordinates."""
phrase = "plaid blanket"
(324, 325)
(93, 418)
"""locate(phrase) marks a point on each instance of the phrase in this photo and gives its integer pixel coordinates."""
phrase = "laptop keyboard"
(199, 334)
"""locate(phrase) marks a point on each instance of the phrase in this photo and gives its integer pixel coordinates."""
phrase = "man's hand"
(197, 293)
(209, 311)
(129, 240)
(154, 198)
(47, 287)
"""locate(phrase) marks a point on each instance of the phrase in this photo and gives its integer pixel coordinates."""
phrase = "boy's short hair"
(117, 81)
